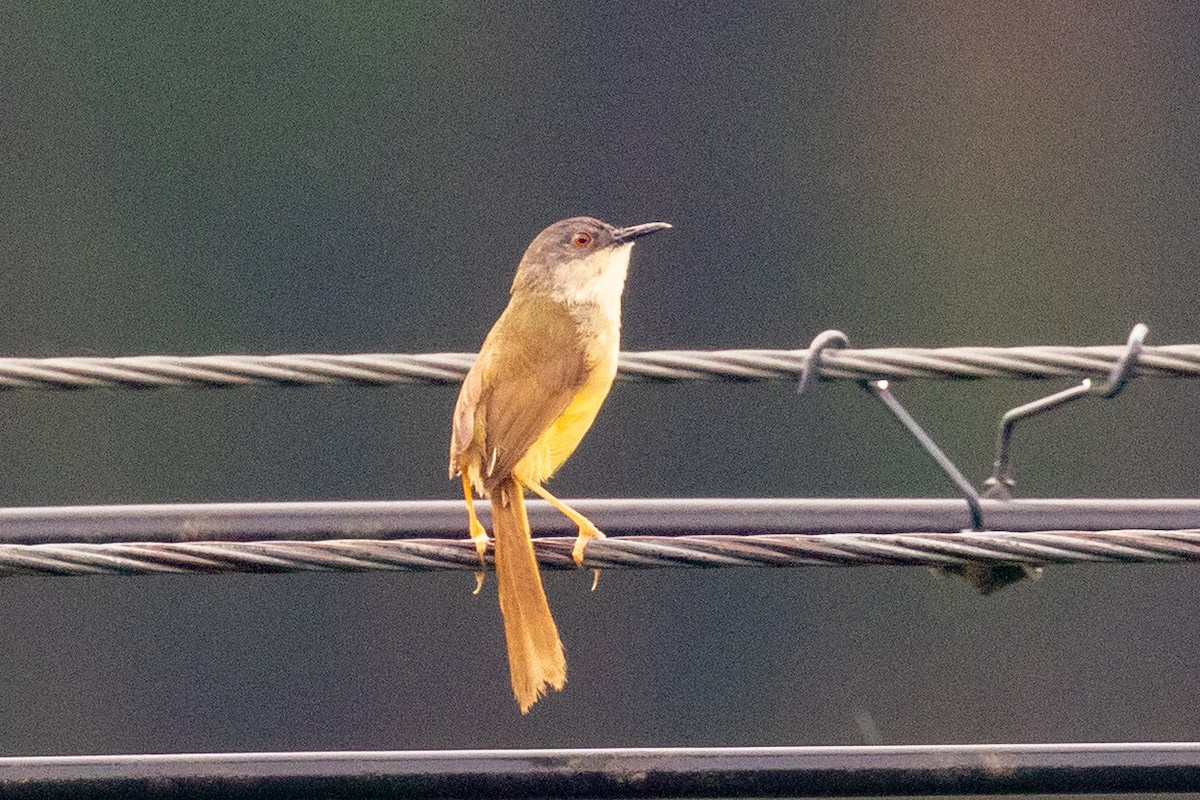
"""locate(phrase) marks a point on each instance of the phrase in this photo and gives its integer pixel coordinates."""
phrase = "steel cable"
(958, 363)
(643, 533)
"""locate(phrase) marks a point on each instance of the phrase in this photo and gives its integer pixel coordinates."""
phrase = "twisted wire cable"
(643, 533)
(379, 369)
(633, 552)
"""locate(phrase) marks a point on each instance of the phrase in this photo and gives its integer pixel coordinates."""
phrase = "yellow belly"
(556, 444)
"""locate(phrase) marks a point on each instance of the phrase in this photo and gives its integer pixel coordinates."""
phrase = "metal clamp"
(985, 577)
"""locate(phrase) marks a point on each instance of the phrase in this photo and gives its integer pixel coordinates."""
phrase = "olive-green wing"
(536, 366)
(463, 431)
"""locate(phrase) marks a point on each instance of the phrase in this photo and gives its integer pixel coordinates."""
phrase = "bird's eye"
(581, 239)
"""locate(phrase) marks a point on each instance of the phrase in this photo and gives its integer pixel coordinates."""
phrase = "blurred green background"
(237, 177)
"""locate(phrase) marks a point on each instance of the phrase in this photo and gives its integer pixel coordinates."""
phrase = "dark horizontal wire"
(381, 369)
(446, 519)
(632, 552)
(619, 772)
(430, 535)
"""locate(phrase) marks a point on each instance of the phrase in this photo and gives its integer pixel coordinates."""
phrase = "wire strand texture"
(430, 535)
(380, 369)
(638, 552)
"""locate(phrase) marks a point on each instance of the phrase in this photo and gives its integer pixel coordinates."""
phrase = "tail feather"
(535, 653)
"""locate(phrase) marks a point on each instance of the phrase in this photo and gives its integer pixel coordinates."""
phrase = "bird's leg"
(587, 530)
(478, 532)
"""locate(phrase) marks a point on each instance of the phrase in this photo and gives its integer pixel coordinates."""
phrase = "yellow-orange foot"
(586, 533)
(480, 538)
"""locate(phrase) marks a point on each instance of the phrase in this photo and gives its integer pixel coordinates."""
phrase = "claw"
(480, 538)
(478, 583)
(586, 533)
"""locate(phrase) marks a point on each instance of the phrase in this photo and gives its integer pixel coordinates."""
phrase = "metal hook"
(880, 389)
(1001, 480)
(823, 341)
(1122, 371)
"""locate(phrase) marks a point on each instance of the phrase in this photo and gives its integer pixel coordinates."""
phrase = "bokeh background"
(363, 177)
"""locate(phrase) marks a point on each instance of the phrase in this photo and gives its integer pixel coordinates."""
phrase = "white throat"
(599, 280)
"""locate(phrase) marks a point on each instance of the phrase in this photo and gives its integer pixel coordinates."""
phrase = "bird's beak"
(622, 235)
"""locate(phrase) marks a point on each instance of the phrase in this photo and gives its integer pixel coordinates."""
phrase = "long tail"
(535, 653)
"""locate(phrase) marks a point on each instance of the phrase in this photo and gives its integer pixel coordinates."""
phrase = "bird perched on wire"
(531, 395)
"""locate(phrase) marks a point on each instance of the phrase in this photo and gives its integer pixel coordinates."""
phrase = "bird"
(540, 378)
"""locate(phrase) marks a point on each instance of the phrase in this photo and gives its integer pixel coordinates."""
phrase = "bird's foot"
(586, 533)
(480, 537)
